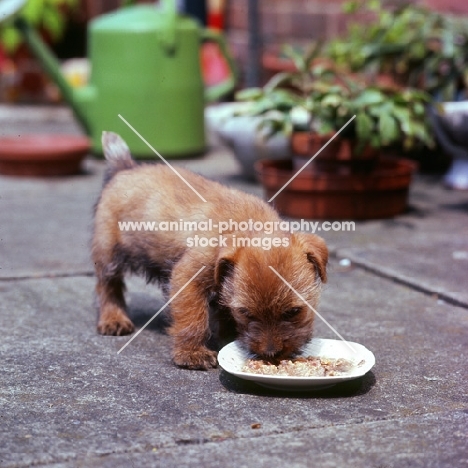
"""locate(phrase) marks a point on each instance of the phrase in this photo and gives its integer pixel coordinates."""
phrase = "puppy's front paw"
(201, 358)
(115, 327)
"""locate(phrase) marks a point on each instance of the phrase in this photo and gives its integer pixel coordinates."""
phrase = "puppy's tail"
(117, 154)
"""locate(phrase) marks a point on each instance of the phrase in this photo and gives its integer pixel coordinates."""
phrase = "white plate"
(232, 358)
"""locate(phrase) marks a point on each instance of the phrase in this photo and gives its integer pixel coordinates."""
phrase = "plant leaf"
(364, 126)
(402, 114)
(311, 54)
(351, 6)
(370, 96)
(10, 38)
(249, 94)
(32, 11)
(53, 21)
(331, 100)
(297, 56)
(388, 128)
(277, 80)
(421, 132)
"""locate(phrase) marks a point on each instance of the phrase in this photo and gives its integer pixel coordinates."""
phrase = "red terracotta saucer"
(42, 155)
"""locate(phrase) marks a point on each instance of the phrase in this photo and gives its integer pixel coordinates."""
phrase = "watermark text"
(221, 227)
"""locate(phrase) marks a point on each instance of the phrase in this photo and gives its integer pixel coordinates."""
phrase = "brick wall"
(302, 21)
(449, 6)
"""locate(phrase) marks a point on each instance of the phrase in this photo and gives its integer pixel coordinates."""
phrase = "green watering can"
(145, 67)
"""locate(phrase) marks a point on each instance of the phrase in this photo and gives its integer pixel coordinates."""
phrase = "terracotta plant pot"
(339, 156)
(382, 193)
(42, 155)
(307, 144)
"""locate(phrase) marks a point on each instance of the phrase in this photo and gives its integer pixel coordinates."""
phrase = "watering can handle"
(168, 33)
(213, 93)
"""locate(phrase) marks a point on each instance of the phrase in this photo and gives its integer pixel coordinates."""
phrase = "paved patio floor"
(67, 399)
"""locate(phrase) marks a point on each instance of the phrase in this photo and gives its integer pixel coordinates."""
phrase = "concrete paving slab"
(67, 397)
(359, 445)
(45, 224)
(427, 247)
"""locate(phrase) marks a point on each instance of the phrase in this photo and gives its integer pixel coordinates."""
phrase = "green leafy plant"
(47, 15)
(321, 97)
(286, 101)
(416, 46)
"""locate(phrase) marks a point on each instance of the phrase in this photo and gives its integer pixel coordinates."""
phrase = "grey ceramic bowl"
(450, 123)
(241, 134)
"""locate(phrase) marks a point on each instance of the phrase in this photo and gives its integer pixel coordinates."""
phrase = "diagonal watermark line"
(163, 159)
(311, 159)
(313, 310)
(161, 309)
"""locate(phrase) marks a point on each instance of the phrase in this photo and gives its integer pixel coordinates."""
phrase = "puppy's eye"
(291, 313)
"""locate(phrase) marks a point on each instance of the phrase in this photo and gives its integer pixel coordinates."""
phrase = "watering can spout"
(52, 67)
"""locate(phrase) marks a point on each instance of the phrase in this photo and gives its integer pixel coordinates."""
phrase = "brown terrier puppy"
(269, 318)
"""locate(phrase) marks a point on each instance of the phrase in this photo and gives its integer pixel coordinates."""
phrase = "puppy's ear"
(225, 265)
(316, 251)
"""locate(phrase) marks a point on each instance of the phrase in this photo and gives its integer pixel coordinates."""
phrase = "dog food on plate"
(310, 366)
